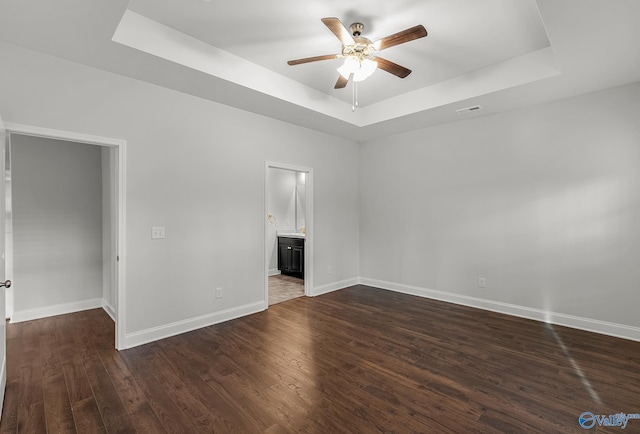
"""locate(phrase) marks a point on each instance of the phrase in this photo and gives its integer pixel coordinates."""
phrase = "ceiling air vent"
(469, 109)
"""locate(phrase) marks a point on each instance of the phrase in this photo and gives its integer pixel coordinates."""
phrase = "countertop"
(291, 234)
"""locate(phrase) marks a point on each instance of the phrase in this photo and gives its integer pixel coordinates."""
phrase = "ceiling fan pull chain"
(355, 87)
(357, 52)
(353, 97)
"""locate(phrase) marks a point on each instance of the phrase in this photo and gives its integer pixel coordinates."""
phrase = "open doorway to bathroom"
(287, 233)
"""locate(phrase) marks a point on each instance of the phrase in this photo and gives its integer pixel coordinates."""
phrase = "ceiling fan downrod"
(358, 52)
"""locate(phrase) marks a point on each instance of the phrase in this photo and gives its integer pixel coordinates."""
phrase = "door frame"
(120, 203)
(4, 138)
(308, 247)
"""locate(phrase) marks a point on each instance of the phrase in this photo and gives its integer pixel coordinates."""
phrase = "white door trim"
(308, 248)
(121, 146)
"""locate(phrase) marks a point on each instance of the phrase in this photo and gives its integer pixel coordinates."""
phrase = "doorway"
(288, 232)
(110, 154)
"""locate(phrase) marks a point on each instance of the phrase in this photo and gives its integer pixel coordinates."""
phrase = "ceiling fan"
(358, 51)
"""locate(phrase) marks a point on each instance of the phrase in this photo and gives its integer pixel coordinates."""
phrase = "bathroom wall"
(301, 200)
(282, 206)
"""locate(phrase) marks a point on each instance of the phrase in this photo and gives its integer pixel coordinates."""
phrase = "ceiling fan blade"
(312, 59)
(341, 83)
(415, 32)
(339, 30)
(391, 68)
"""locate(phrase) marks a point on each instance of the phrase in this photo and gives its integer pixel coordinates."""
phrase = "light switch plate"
(157, 232)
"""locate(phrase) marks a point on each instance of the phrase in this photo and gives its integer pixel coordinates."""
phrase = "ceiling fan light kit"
(360, 69)
(357, 52)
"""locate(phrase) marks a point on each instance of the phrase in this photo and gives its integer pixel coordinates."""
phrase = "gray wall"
(57, 222)
(198, 169)
(543, 202)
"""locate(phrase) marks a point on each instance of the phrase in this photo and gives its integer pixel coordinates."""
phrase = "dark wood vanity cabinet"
(291, 256)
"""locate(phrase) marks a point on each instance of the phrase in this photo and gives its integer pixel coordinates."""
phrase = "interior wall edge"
(587, 324)
(58, 309)
(176, 328)
(109, 309)
(334, 286)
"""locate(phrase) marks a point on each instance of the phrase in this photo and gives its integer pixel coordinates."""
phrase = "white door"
(3, 322)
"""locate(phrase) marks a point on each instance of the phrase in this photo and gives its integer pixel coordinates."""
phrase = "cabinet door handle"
(288, 247)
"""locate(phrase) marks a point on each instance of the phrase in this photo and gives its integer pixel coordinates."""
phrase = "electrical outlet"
(157, 232)
(219, 292)
(481, 282)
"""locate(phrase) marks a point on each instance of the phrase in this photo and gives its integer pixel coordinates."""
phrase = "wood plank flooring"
(356, 360)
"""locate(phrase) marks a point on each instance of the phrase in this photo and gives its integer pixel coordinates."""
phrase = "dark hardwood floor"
(356, 360)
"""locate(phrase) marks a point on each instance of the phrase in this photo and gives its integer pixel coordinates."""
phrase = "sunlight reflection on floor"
(574, 364)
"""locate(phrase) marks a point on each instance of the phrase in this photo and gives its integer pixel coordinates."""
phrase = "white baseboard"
(335, 286)
(165, 331)
(111, 311)
(587, 324)
(273, 272)
(58, 309)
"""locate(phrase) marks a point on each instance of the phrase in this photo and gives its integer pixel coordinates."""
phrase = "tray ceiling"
(500, 54)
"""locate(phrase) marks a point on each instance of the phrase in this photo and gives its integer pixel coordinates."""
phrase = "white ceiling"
(500, 54)
(465, 35)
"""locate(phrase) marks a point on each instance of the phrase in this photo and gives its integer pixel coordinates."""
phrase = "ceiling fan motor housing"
(362, 47)
(358, 49)
(356, 29)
